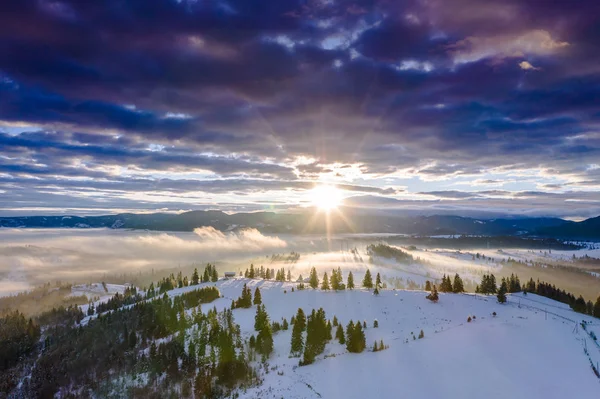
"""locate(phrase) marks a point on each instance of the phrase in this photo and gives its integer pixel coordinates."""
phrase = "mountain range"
(347, 220)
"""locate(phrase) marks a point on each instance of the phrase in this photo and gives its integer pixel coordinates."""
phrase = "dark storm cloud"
(436, 90)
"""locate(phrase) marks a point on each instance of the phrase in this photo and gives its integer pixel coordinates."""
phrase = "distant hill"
(588, 229)
(349, 220)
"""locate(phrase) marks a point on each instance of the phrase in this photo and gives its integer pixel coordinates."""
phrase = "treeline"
(18, 337)
(125, 342)
(388, 252)
(129, 297)
(268, 274)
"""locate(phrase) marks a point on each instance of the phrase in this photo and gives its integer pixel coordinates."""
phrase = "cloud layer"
(31, 257)
(244, 105)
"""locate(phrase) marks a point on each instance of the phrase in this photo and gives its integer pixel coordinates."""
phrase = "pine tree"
(376, 292)
(596, 311)
(313, 279)
(264, 341)
(375, 347)
(427, 285)
(261, 319)
(350, 282)
(458, 285)
(297, 340)
(502, 291)
(289, 275)
(340, 279)
(421, 334)
(325, 284)
(334, 280)
(215, 275)
(195, 277)
(257, 297)
(339, 334)
(252, 273)
(268, 274)
(367, 280)
(375, 323)
(378, 281)
(350, 336)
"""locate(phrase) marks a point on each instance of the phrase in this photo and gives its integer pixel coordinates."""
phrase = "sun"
(326, 197)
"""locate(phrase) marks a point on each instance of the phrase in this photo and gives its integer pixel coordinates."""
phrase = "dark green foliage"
(355, 337)
(325, 283)
(596, 310)
(317, 335)
(375, 324)
(245, 299)
(514, 284)
(339, 334)
(195, 277)
(367, 280)
(261, 319)
(502, 291)
(297, 340)
(129, 297)
(18, 337)
(378, 281)
(385, 251)
(313, 279)
(427, 285)
(488, 285)
(257, 297)
(446, 284)
(350, 282)
(458, 285)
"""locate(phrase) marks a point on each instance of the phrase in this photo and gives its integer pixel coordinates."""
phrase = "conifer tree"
(297, 339)
(421, 334)
(378, 281)
(289, 275)
(252, 273)
(596, 312)
(375, 323)
(427, 285)
(376, 292)
(195, 277)
(313, 279)
(367, 280)
(334, 280)
(502, 291)
(375, 346)
(268, 274)
(350, 282)
(261, 319)
(458, 285)
(257, 297)
(325, 284)
(339, 334)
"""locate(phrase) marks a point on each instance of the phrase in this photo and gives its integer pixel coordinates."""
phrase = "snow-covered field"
(533, 348)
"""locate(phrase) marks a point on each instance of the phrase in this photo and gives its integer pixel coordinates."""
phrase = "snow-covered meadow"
(533, 347)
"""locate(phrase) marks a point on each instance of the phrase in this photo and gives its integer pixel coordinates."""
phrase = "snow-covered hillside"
(533, 347)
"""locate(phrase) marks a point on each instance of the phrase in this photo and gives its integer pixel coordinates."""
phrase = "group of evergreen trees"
(355, 337)
(125, 342)
(447, 286)
(267, 274)
(318, 333)
(488, 285)
(171, 282)
(244, 300)
(335, 283)
(264, 339)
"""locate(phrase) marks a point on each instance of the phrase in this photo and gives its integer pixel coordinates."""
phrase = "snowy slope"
(530, 349)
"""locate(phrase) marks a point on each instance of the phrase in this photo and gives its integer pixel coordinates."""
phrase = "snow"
(532, 348)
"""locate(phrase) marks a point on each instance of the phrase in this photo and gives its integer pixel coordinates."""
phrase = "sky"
(438, 106)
